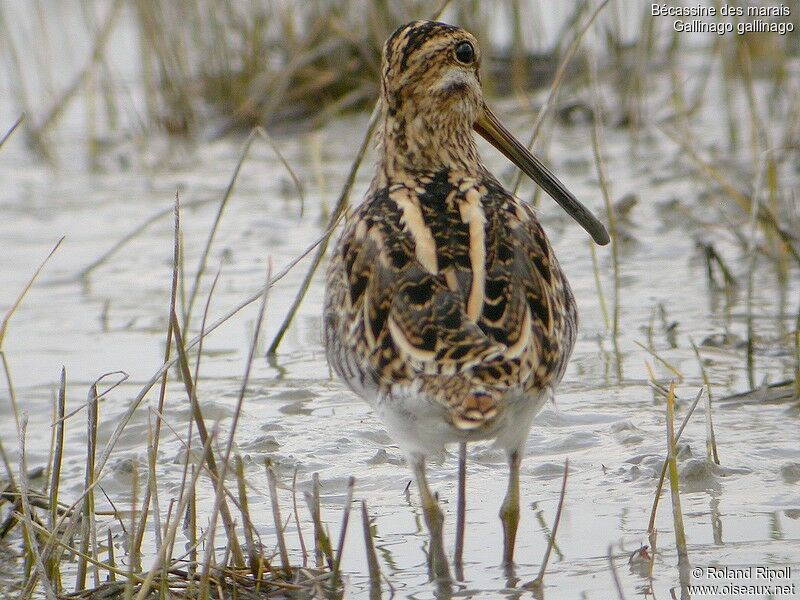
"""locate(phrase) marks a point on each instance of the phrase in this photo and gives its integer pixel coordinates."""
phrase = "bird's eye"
(465, 54)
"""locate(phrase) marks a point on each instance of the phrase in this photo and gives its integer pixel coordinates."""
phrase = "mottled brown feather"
(442, 281)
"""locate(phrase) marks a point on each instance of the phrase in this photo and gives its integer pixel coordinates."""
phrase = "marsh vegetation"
(168, 424)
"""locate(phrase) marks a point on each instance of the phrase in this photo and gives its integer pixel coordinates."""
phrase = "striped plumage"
(445, 306)
(450, 286)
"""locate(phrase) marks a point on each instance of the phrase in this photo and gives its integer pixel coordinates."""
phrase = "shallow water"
(606, 418)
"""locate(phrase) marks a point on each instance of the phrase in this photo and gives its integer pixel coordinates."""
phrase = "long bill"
(493, 131)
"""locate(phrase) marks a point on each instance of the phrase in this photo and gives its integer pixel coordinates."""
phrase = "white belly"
(420, 426)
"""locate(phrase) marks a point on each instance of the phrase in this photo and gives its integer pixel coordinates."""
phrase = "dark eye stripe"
(465, 53)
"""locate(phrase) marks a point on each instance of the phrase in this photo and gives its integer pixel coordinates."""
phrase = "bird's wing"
(428, 324)
(407, 318)
(514, 286)
(526, 298)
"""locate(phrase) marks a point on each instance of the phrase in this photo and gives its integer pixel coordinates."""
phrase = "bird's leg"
(461, 517)
(434, 520)
(509, 511)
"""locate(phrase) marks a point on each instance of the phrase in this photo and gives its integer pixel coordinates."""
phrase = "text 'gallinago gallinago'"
(445, 306)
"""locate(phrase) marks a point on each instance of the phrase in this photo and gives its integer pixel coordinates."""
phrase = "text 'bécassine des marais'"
(752, 22)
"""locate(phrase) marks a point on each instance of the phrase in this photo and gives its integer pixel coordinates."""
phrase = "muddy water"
(606, 419)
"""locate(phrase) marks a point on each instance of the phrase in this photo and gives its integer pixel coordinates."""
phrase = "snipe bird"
(445, 307)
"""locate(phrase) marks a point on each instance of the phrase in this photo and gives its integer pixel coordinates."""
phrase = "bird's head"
(432, 101)
(431, 67)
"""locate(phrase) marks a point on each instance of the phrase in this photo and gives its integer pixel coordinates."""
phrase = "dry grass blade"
(652, 524)
(248, 366)
(112, 563)
(765, 215)
(461, 511)
(187, 497)
(711, 442)
(12, 396)
(606, 191)
(55, 469)
(703, 372)
(276, 514)
(134, 553)
(343, 533)
(372, 558)
(203, 323)
(162, 557)
(677, 515)
(7, 465)
(176, 253)
(10, 312)
(220, 504)
(752, 252)
(297, 519)
(8, 134)
(61, 536)
(137, 231)
(31, 537)
(664, 362)
(87, 506)
(338, 211)
(58, 446)
(123, 378)
(16, 74)
(190, 524)
(298, 185)
(94, 560)
(253, 551)
(322, 545)
(211, 462)
(539, 581)
(152, 484)
(134, 405)
(314, 505)
(201, 267)
(614, 575)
